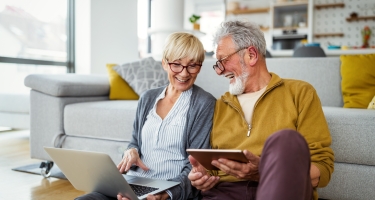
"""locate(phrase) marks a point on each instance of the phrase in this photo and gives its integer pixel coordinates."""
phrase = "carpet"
(34, 169)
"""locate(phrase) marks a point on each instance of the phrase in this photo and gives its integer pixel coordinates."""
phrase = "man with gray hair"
(278, 123)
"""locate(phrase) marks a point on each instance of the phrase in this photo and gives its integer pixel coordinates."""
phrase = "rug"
(34, 169)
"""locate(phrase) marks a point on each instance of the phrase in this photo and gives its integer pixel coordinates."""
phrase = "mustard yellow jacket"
(286, 104)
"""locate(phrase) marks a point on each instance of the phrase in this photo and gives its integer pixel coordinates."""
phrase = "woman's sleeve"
(134, 142)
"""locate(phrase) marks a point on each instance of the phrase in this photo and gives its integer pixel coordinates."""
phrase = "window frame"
(70, 62)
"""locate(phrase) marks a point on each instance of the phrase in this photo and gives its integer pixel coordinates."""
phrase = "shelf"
(292, 3)
(264, 29)
(248, 11)
(328, 35)
(350, 19)
(331, 5)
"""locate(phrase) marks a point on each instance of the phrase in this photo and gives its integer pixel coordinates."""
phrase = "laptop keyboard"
(142, 190)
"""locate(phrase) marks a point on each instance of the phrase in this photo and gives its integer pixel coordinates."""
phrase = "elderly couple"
(278, 123)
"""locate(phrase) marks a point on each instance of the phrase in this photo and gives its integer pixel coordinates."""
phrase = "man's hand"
(199, 177)
(131, 157)
(315, 175)
(248, 171)
(161, 196)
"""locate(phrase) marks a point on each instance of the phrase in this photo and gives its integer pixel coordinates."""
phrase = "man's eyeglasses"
(219, 66)
(191, 69)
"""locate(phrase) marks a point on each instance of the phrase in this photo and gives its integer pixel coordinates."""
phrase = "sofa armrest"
(69, 85)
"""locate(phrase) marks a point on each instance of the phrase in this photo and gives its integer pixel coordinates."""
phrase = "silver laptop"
(96, 172)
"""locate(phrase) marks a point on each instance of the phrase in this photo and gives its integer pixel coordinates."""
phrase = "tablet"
(205, 156)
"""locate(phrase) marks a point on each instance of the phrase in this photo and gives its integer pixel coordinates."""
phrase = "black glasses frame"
(219, 63)
(183, 67)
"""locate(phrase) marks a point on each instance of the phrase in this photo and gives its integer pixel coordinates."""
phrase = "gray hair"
(243, 34)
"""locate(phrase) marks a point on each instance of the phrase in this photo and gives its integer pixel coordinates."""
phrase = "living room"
(110, 33)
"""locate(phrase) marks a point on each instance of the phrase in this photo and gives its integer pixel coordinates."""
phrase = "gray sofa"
(73, 111)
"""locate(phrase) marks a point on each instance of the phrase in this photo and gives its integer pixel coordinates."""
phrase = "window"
(144, 40)
(212, 14)
(35, 37)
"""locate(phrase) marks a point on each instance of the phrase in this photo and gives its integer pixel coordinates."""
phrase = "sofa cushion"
(358, 80)
(322, 73)
(119, 88)
(353, 134)
(143, 75)
(69, 85)
(109, 120)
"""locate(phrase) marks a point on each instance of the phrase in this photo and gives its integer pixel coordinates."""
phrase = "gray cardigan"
(196, 133)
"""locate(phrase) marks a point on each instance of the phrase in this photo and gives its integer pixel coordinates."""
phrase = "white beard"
(238, 86)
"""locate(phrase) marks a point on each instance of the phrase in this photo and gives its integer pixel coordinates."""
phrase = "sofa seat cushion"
(353, 134)
(109, 120)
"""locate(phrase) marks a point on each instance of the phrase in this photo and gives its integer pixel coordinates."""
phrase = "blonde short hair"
(183, 45)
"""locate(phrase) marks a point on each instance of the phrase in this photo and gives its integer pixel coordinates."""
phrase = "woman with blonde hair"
(169, 120)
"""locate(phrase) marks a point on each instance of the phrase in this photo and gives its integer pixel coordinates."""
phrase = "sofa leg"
(45, 168)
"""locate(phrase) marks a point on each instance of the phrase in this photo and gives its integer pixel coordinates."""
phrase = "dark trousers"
(284, 172)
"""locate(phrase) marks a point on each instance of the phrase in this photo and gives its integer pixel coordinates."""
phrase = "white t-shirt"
(248, 100)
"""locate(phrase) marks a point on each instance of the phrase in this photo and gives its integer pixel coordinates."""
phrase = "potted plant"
(194, 20)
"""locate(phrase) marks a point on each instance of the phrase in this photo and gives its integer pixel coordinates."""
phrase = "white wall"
(106, 32)
(167, 16)
(333, 20)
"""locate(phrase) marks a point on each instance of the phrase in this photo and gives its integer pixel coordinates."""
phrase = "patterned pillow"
(143, 75)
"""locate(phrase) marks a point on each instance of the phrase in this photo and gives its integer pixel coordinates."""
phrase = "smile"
(230, 76)
(182, 81)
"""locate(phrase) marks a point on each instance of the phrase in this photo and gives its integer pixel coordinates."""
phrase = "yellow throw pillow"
(119, 88)
(358, 80)
(371, 105)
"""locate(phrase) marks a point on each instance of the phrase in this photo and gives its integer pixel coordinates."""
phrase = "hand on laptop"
(199, 177)
(131, 157)
(161, 196)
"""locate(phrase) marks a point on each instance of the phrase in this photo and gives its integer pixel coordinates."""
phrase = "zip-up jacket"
(286, 104)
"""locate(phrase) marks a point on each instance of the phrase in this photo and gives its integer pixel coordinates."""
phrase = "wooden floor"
(15, 152)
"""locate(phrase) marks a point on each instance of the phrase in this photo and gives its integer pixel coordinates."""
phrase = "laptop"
(96, 172)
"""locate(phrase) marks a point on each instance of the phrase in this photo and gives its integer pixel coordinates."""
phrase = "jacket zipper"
(243, 117)
(256, 103)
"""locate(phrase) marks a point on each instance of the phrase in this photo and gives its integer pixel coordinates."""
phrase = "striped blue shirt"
(163, 139)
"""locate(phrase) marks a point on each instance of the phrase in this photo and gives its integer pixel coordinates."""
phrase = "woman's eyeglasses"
(191, 69)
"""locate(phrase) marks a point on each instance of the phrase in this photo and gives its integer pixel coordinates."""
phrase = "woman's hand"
(161, 196)
(131, 157)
